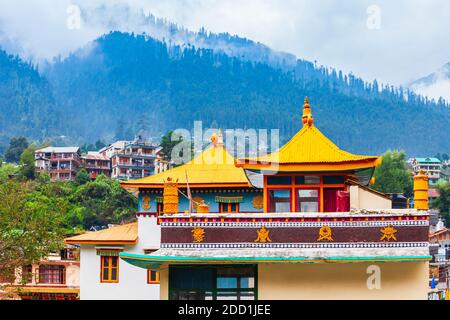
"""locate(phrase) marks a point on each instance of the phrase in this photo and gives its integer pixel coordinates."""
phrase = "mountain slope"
(26, 103)
(124, 83)
(435, 85)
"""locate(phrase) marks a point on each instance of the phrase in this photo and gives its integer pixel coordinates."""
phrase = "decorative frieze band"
(354, 224)
(362, 245)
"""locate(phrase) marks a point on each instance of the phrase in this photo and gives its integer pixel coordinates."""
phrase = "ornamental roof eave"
(278, 256)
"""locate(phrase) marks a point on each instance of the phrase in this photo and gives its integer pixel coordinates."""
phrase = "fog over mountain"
(153, 76)
(435, 85)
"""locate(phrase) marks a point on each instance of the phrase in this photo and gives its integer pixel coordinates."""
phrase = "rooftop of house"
(428, 160)
(59, 150)
(92, 155)
(120, 235)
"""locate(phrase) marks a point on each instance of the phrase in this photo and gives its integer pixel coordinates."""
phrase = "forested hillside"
(26, 104)
(124, 83)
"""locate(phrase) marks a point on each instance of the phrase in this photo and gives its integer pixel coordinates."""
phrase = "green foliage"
(443, 202)
(82, 177)
(16, 147)
(393, 175)
(27, 163)
(102, 202)
(30, 223)
(129, 81)
(167, 145)
(7, 171)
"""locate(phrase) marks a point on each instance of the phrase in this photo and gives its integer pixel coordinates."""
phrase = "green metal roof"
(428, 160)
(154, 262)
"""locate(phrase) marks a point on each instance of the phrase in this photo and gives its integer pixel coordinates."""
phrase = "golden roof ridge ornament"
(307, 118)
(217, 139)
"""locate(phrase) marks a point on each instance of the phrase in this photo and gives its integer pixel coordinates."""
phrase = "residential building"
(62, 163)
(161, 164)
(281, 226)
(131, 159)
(440, 263)
(432, 166)
(54, 278)
(96, 163)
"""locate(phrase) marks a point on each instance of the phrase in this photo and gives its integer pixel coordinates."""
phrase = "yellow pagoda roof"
(213, 167)
(309, 150)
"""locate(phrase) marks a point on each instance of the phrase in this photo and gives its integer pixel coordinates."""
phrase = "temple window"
(213, 283)
(280, 200)
(305, 193)
(308, 200)
(228, 207)
(109, 269)
(333, 180)
(152, 277)
(229, 204)
(279, 180)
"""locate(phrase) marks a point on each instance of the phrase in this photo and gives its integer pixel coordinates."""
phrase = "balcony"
(384, 235)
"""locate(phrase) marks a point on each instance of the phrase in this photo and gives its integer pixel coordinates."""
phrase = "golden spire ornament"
(307, 118)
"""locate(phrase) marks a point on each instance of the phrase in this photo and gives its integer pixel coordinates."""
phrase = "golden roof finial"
(220, 138)
(217, 139)
(214, 139)
(307, 118)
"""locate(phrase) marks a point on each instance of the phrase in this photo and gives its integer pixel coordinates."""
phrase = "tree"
(168, 143)
(99, 145)
(443, 202)
(82, 177)
(393, 175)
(103, 202)
(15, 150)
(30, 219)
(8, 171)
(27, 163)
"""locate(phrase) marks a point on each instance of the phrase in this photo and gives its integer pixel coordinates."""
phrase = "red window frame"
(52, 274)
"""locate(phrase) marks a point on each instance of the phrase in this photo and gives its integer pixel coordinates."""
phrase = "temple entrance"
(212, 283)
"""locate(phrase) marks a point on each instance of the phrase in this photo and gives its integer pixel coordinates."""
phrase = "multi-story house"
(131, 159)
(56, 277)
(440, 264)
(96, 163)
(161, 164)
(62, 163)
(432, 166)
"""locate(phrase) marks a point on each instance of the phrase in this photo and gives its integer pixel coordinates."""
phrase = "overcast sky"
(392, 41)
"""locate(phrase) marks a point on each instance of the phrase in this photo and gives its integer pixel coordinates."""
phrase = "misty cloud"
(412, 40)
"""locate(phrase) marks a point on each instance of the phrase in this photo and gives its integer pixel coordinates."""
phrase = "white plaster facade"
(132, 283)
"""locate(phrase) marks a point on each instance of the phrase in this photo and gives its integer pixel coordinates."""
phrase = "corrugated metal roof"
(126, 234)
(428, 160)
(95, 156)
(59, 150)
